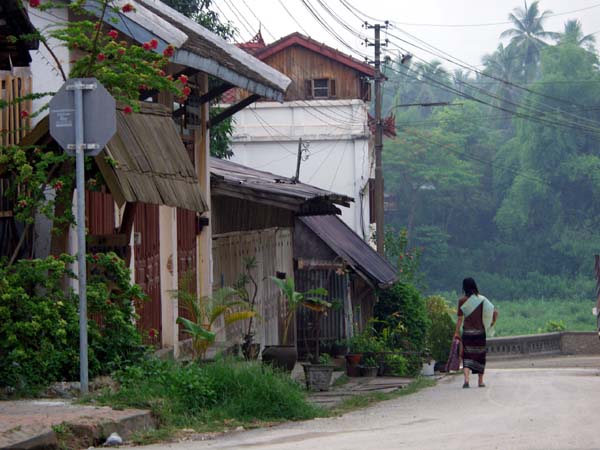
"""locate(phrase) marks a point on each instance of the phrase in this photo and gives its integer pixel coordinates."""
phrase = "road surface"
(521, 408)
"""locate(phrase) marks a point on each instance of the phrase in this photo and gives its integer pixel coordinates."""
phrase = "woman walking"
(477, 316)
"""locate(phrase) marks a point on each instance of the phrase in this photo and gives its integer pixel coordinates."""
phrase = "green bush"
(39, 322)
(402, 304)
(194, 393)
(441, 329)
(397, 365)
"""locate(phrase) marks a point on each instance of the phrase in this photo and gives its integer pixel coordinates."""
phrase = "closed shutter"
(332, 91)
(308, 89)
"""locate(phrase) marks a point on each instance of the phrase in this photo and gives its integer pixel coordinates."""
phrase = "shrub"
(397, 365)
(194, 393)
(39, 322)
(441, 329)
(402, 304)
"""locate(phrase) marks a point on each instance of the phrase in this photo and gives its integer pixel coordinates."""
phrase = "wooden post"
(202, 157)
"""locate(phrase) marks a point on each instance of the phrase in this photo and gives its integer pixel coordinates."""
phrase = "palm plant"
(528, 34)
(504, 65)
(205, 311)
(573, 34)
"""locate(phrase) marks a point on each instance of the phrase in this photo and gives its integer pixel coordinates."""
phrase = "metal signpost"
(82, 125)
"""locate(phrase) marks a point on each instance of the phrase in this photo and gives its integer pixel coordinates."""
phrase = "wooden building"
(254, 214)
(329, 254)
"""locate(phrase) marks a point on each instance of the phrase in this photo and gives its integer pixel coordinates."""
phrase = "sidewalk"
(357, 386)
(42, 424)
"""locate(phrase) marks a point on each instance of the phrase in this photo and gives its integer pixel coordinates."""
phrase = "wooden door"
(186, 257)
(147, 271)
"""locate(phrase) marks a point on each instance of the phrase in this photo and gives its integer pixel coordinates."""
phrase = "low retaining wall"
(563, 343)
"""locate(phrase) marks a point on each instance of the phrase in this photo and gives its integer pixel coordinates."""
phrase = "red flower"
(127, 110)
(142, 87)
(128, 8)
(113, 34)
(22, 203)
(24, 114)
(161, 73)
(153, 43)
(97, 26)
(96, 257)
(121, 51)
(183, 79)
(101, 57)
(153, 333)
(147, 46)
(34, 3)
(170, 77)
(58, 185)
(187, 91)
(169, 51)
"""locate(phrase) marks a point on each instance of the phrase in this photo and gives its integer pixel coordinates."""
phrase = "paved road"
(522, 408)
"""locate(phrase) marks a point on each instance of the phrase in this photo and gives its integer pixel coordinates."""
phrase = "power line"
(351, 7)
(242, 20)
(259, 21)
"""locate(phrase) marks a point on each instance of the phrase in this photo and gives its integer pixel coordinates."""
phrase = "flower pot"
(282, 357)
(368, 371)
(352, 364)
(428, 368)
(318, 376)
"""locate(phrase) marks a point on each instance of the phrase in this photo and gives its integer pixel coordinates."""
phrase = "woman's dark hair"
(470, 287)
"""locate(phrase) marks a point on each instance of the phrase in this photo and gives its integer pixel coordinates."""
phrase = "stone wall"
(565, 343)
(580, 343)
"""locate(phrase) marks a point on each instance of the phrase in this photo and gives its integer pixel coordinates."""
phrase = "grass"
(362, 401)
(209, 397)
(530, 316)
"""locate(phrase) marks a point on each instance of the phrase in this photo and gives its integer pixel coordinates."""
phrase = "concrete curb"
(81, 433)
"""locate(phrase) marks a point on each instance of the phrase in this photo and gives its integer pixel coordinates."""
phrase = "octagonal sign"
(99, 116)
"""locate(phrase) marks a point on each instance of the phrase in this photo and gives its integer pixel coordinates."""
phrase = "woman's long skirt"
(474, 350)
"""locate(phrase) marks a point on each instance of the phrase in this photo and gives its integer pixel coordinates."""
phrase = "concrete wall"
(580, 343)
(266, 137)
(566, 343)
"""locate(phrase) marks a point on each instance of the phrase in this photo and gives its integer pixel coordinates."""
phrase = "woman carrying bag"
(477, 316)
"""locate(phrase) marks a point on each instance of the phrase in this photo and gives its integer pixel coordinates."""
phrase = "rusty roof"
(147, 161)
(195, 46)
(151, 162)
(232, 179)
(352, 249)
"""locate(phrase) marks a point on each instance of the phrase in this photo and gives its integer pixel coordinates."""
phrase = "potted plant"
(369, 367)
(205, 311)
(318, 376)
(285, 356)
(318, 373)
(360, 346)
(250, 350)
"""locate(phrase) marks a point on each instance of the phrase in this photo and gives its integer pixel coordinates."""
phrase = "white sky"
(466, 43)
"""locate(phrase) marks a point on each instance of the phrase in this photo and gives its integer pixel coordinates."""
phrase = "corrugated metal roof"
(151, 164)
(196, 46)
(352, 249)
(230, 178)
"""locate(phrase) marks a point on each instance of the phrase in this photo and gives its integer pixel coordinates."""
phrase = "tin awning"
(354, 251)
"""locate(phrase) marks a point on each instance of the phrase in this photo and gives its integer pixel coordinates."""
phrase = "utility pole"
(302, 148)
(379, 185)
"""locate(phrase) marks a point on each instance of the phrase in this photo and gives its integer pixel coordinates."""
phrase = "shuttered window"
(320, 88)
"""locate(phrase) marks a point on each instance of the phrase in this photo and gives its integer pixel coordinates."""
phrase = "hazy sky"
(468, 43)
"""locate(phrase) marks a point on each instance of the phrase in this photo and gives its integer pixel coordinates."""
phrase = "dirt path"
(522, 408)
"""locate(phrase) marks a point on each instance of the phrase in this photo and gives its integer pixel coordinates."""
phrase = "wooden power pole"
(379, 185)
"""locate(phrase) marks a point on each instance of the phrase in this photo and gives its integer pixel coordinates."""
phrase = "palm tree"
(574, 34)
(528, 35)
(504, 64)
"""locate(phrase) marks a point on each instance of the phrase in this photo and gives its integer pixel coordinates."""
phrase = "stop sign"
(99, 116)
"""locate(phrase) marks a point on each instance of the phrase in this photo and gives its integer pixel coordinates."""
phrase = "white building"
(327, 107)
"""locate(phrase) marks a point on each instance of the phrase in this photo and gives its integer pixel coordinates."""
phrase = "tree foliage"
(502, 195)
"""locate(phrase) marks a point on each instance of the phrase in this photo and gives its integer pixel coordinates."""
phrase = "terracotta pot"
(282, 357)
(352, 364)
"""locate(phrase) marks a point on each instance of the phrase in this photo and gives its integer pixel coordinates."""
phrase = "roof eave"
(140, 34)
